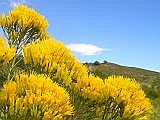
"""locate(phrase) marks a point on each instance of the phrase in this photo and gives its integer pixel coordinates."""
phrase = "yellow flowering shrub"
(34, 97)
(124, 94)
(23, 24)
(55, 59)
(6, 52)
(128, 91)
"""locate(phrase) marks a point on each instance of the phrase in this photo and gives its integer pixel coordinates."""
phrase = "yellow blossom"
(91, 87)
(54, 59)
(6, 52)
(128, 91)
(24, 23)
(36, 94)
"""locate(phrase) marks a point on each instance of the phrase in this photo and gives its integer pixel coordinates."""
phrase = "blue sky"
(126, 32)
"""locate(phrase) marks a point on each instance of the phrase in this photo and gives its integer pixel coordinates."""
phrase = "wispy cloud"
(15, 3)
(85, 49)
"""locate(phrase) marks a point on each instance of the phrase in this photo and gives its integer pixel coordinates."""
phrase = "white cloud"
(85, 49)
(15, 3)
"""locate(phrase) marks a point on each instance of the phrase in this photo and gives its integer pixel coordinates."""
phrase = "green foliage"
(99, 73)
(96, 63)
(156, 104)
(3, 74)
(151, 92)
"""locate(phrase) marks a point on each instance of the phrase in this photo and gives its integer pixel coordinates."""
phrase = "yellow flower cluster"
(128, 91)
(6, 53)
(34, 97)
(22, 20)
(55, 59)
(91, 87)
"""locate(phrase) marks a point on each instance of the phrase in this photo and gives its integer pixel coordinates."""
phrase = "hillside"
(107, 68)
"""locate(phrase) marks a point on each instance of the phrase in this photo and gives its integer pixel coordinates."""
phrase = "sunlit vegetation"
(42, 80)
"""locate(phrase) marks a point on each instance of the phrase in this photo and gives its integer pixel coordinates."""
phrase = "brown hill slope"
(106, 69)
